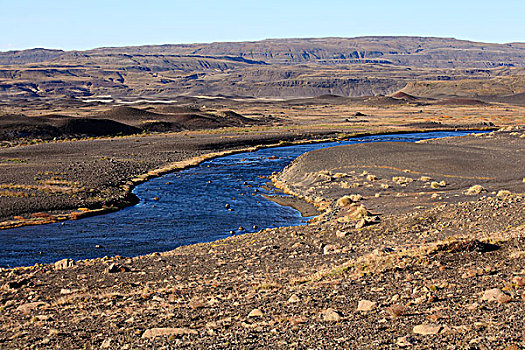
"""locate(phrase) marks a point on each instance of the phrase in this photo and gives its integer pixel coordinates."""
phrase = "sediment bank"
(97, 176)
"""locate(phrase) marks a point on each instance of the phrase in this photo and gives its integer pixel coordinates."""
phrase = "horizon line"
(261, 40)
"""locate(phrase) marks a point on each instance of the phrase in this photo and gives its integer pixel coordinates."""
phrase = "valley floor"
(445, 274)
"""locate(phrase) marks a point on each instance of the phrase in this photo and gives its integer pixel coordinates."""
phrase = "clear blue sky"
(70, 24)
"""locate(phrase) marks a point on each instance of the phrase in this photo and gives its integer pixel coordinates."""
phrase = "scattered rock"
(503, 298)
(294, 299)
(256, 313)
(354, 213)
(520, 254)
(434, 184)
(405, 341)
(106, 344)
(196, 304)
(366, 305)
(396, 310)
(212, 325)
(360, 224)
(297, 320)
(503, 193)
(473, 306)
(167, 332)
(474, 190)
(356, 197)
(402, 180)
(494, 294)
(340, 175)
(331, 249)
(469, 273)
(113, 268)
(367, 220)
(344, 201)
(331, 315)
(64, 264)
(341, 234)
(512, 347)
(44, 318)
(427, 329)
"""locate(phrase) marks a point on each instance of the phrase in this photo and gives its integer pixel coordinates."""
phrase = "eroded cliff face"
(283, 68)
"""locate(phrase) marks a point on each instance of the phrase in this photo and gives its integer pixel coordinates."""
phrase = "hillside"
(276, 68)
(509, 89)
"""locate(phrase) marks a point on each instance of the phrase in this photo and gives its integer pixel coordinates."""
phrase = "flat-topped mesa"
(276, 68)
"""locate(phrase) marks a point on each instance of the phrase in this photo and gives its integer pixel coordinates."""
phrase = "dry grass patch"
(380, 262)
(8, 193)
(402, 180)
(48, 186)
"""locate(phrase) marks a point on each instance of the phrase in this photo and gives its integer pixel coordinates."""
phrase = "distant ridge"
(272, 68)
(397, 49)
(28, 56)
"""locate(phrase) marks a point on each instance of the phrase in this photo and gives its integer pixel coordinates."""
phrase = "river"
(201, 204)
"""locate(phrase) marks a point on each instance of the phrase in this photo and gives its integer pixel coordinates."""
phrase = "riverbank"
(306, 209)
(451, 273)
(89, 177)
(390, 178)
(93, 177)
(205, 203)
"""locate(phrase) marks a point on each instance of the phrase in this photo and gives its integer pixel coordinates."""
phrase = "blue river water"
(177, 209)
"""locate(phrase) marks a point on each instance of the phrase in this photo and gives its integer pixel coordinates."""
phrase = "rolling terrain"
(414, 245)
(277, 68)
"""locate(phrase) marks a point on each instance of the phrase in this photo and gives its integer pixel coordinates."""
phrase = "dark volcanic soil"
(450, 276)
(117, 121)
(394, 177)
(93, 174)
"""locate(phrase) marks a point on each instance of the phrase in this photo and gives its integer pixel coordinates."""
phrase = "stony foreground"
(449, 274)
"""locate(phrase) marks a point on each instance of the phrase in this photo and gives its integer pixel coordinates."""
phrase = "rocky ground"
(450, 274)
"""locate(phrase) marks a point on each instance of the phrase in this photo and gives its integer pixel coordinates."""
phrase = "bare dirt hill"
(481, 88)
(116, 121)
